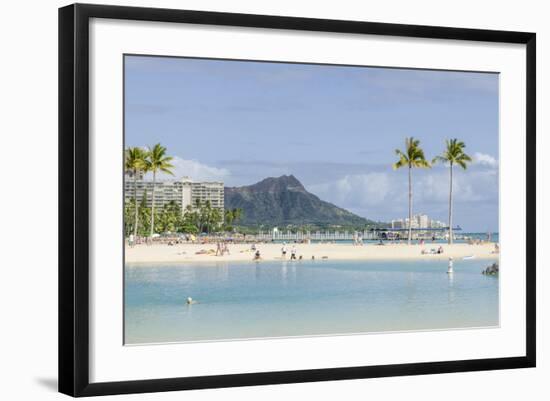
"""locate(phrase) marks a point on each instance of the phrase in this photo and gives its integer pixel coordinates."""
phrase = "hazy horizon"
(334, 128)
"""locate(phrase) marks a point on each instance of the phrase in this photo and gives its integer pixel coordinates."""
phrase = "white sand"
(187, 252)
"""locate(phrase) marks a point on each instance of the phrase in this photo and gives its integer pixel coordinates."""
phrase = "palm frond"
(158, 160)
(413, 156)
(454, 153)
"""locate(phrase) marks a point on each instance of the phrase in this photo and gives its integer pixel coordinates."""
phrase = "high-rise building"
(422, 221)
(413, 223)
(398, 224)
(419, 221)
(184, 192)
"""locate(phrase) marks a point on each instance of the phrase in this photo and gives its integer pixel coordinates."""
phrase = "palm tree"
(135, 164)
(412, 157)
(157, 161)
(237, 214)
(206, 213)
(192, 217)
(453, 154)
(228, 217)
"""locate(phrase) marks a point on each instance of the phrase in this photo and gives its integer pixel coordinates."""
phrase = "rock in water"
(491, 270)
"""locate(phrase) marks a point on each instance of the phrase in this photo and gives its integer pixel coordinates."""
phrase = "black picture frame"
(74, 199)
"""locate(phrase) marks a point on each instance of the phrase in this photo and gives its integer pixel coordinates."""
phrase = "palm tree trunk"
(410, 205)
(451, 206)
(135, 206)
(153, 206)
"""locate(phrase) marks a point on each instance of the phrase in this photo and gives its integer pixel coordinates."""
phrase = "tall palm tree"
(134, 163)
(453, 154)
(228, 217)
(237, 214)
(157, 160)
(412, 157)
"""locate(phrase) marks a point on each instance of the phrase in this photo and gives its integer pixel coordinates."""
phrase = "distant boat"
(469, 257)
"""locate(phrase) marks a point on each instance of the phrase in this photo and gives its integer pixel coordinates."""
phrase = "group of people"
(357, 239)
(292, 252)
(221, 248)
(284, 251)
(433, 251)
(134, 240)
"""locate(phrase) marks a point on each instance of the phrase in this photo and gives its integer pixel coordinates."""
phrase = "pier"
(366, 235)
(316, 235)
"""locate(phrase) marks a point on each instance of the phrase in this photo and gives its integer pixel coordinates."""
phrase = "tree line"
(202, 218)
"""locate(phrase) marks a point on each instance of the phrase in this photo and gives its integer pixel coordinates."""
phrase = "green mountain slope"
(284, 200)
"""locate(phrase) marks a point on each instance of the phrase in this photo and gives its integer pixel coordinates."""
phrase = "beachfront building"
(422, 221)
(130, 175)
(184, 192)
(437, 224)
(419, 221)
(398, 224)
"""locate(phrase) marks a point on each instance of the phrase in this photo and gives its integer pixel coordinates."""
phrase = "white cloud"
(194, 169)
(469, 186)
(485, 159)
(385, 194)
(355, 190)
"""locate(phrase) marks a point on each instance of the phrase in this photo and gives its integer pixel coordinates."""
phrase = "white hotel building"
(184, 192)
(419, 221)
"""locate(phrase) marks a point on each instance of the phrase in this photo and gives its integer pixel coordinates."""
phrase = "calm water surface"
(271, 299)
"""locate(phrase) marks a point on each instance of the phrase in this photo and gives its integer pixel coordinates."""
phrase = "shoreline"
(187, 253)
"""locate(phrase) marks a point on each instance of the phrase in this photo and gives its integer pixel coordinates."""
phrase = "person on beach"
(219, 251)
(225, 249)
(293, 253)
(131, 240)
(257, 255)
(283, 251)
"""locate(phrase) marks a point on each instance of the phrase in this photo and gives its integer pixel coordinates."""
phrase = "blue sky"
(334, 127)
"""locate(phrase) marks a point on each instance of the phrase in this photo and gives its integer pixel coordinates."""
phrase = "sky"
(335, 128)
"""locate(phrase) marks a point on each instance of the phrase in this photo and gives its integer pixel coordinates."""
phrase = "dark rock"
(491, 270)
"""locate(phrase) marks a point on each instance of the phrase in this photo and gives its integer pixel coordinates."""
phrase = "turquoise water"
(271, 299)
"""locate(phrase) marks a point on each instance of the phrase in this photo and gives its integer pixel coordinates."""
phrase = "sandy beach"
(158, 253)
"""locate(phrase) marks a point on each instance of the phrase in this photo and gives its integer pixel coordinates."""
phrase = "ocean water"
(280, 299)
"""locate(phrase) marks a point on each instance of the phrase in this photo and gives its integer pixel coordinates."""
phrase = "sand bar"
(158, 253)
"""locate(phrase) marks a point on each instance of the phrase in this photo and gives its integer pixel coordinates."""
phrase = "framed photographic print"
(249, 199)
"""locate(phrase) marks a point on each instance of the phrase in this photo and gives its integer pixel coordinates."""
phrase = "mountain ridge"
(281, 201)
